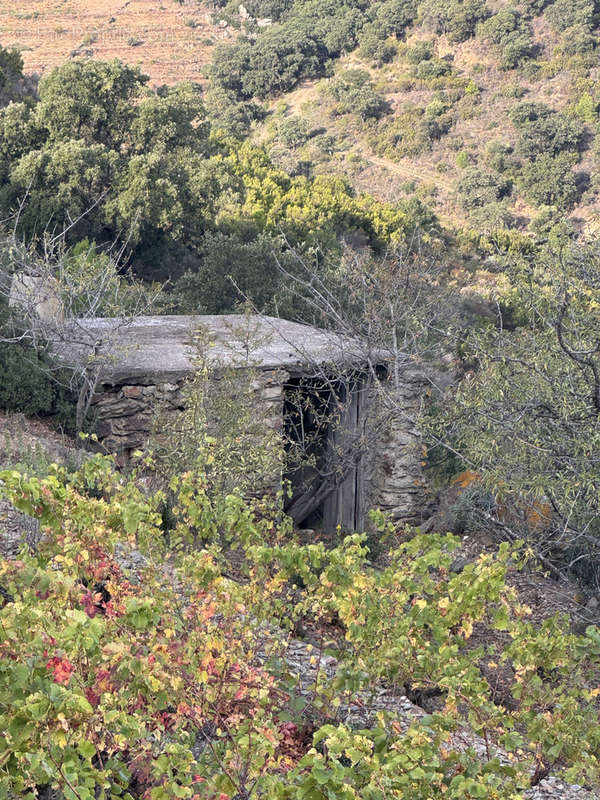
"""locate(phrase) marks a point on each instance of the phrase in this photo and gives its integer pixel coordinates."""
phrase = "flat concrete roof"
(160, 349)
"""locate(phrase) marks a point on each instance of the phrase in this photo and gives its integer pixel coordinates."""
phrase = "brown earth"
(171, 41)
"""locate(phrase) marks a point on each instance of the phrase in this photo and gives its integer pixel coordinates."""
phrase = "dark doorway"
(323, 427)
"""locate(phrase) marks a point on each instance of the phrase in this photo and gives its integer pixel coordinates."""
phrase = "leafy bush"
(543, 131)
(497, 155)
(535, 397)
(458, 18)
(14, 86)
(511, 34)
(32, 382)
(550, 224)
(550, 181)
(478, 187)
(353, 92)
(423, 50)
(517, 49)
(229, 115)
(429, 69)
(126, 676)
(500, 26)
(587, 108)
(534, 7)
(563, 14)
(492, 217)
(394, 16)
(411, 131)
(231, 270)
(576, 41)
(293, 131)
(374, 47)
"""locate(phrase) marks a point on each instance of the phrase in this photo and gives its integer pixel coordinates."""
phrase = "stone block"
(133, 391)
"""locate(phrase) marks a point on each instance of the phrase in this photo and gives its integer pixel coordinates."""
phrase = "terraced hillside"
(172, 41)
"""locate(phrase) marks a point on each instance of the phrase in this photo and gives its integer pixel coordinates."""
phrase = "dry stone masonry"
(145, 363)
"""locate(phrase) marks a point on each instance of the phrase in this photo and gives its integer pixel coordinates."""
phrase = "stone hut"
(144, 362)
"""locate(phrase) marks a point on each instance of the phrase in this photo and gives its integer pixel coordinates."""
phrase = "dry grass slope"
(171, 41)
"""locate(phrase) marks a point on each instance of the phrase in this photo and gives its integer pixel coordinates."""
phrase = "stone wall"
(395, 481)
(125, 413)
(392, 470)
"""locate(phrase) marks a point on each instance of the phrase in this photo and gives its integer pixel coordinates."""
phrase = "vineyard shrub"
(160, 676)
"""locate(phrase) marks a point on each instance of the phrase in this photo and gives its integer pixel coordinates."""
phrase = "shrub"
(229, 115)
(516, 49)
(374, 47)
(32, 382)
(492, 217)
(587, 108)
(563, 14)
(431, 68)
(154, 674)
(14, 86)
(514, 90)
(496, 155)
(576, 40)
(422, 50)
(410, 132)
(252, 263)
(549, 180)
(550, 222)
(511, 35)
(325, 142)
(394, 16)
(353, 92)
(534, 7)
(293, 131)
(478, 187)
(544, 131)
(457, 18)
(500, 26)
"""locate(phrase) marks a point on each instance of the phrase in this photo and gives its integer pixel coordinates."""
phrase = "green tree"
(376, 48)
(550, 181)
(531, 405)
(64, 182)
(563, 14)
(543, 131)
(231, 270)
(516, 50)
(170, 119)
(228, 115)
(14, 85)
(478, 187)
(353, 92)
(18, 135)
(90, 100)
(394, 16)
(458, 18)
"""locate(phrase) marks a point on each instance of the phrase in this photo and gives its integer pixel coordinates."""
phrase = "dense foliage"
(143, 678)
(102, 155)
(133, 663)
(432, 69)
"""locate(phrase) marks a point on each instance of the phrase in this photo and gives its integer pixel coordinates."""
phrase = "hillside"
(443, 124)
(172, 41)
(445, 91)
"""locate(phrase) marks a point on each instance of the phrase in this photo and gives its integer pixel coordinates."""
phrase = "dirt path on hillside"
(411, 173)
